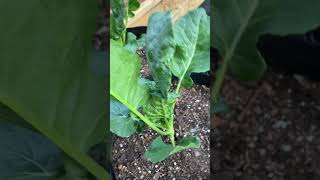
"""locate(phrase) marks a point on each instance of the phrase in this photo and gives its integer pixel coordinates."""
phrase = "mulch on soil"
(272, 130)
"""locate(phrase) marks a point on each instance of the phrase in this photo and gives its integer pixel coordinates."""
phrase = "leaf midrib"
(244, 25)
(191, 57)
(136, 112)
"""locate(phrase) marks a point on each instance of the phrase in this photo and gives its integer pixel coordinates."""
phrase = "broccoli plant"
(172, 49)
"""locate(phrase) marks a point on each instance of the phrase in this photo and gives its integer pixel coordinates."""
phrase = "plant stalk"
(141, 116)
(178, 86)
(171, 129)
(230, 52)
(215, 92)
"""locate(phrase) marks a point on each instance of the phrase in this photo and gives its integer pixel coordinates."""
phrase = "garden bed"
(192, 118)
(271, 131)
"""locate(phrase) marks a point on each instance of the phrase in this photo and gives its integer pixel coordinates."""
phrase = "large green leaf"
(45, 75)
(125, 84)
(160, 47)
(192, 53)
(122, 123)
(238, 24)
(9, 116)
(294, 17)
(128, 90)
(26, 155)
(159, 151)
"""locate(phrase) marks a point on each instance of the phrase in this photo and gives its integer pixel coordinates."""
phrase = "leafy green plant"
(37, 157)
(237, 26)
(172, 49)
(121, 11)
(47, 78)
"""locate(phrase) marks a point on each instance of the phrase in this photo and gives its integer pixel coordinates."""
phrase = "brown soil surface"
(272, 130)
(192, 118)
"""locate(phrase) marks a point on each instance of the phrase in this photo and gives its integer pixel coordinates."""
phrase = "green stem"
(230, 52)
(160, 126)
(124, 37)
(215, 92)
(141, 116)
(171, 130)
(178, 87)
(171, 122)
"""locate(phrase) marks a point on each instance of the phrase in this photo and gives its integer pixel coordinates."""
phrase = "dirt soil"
(191, 118)
(272, 130)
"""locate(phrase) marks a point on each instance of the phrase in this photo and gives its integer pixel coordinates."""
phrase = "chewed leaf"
(159, 150)
(121, 123)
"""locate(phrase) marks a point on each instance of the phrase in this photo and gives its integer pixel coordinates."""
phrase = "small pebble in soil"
(262, 152)
(194, 130)
(286, 147)
(299, 139)
(251, 145)
(280, 124)
(270, 175)
(310, 138)
(197, 153)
